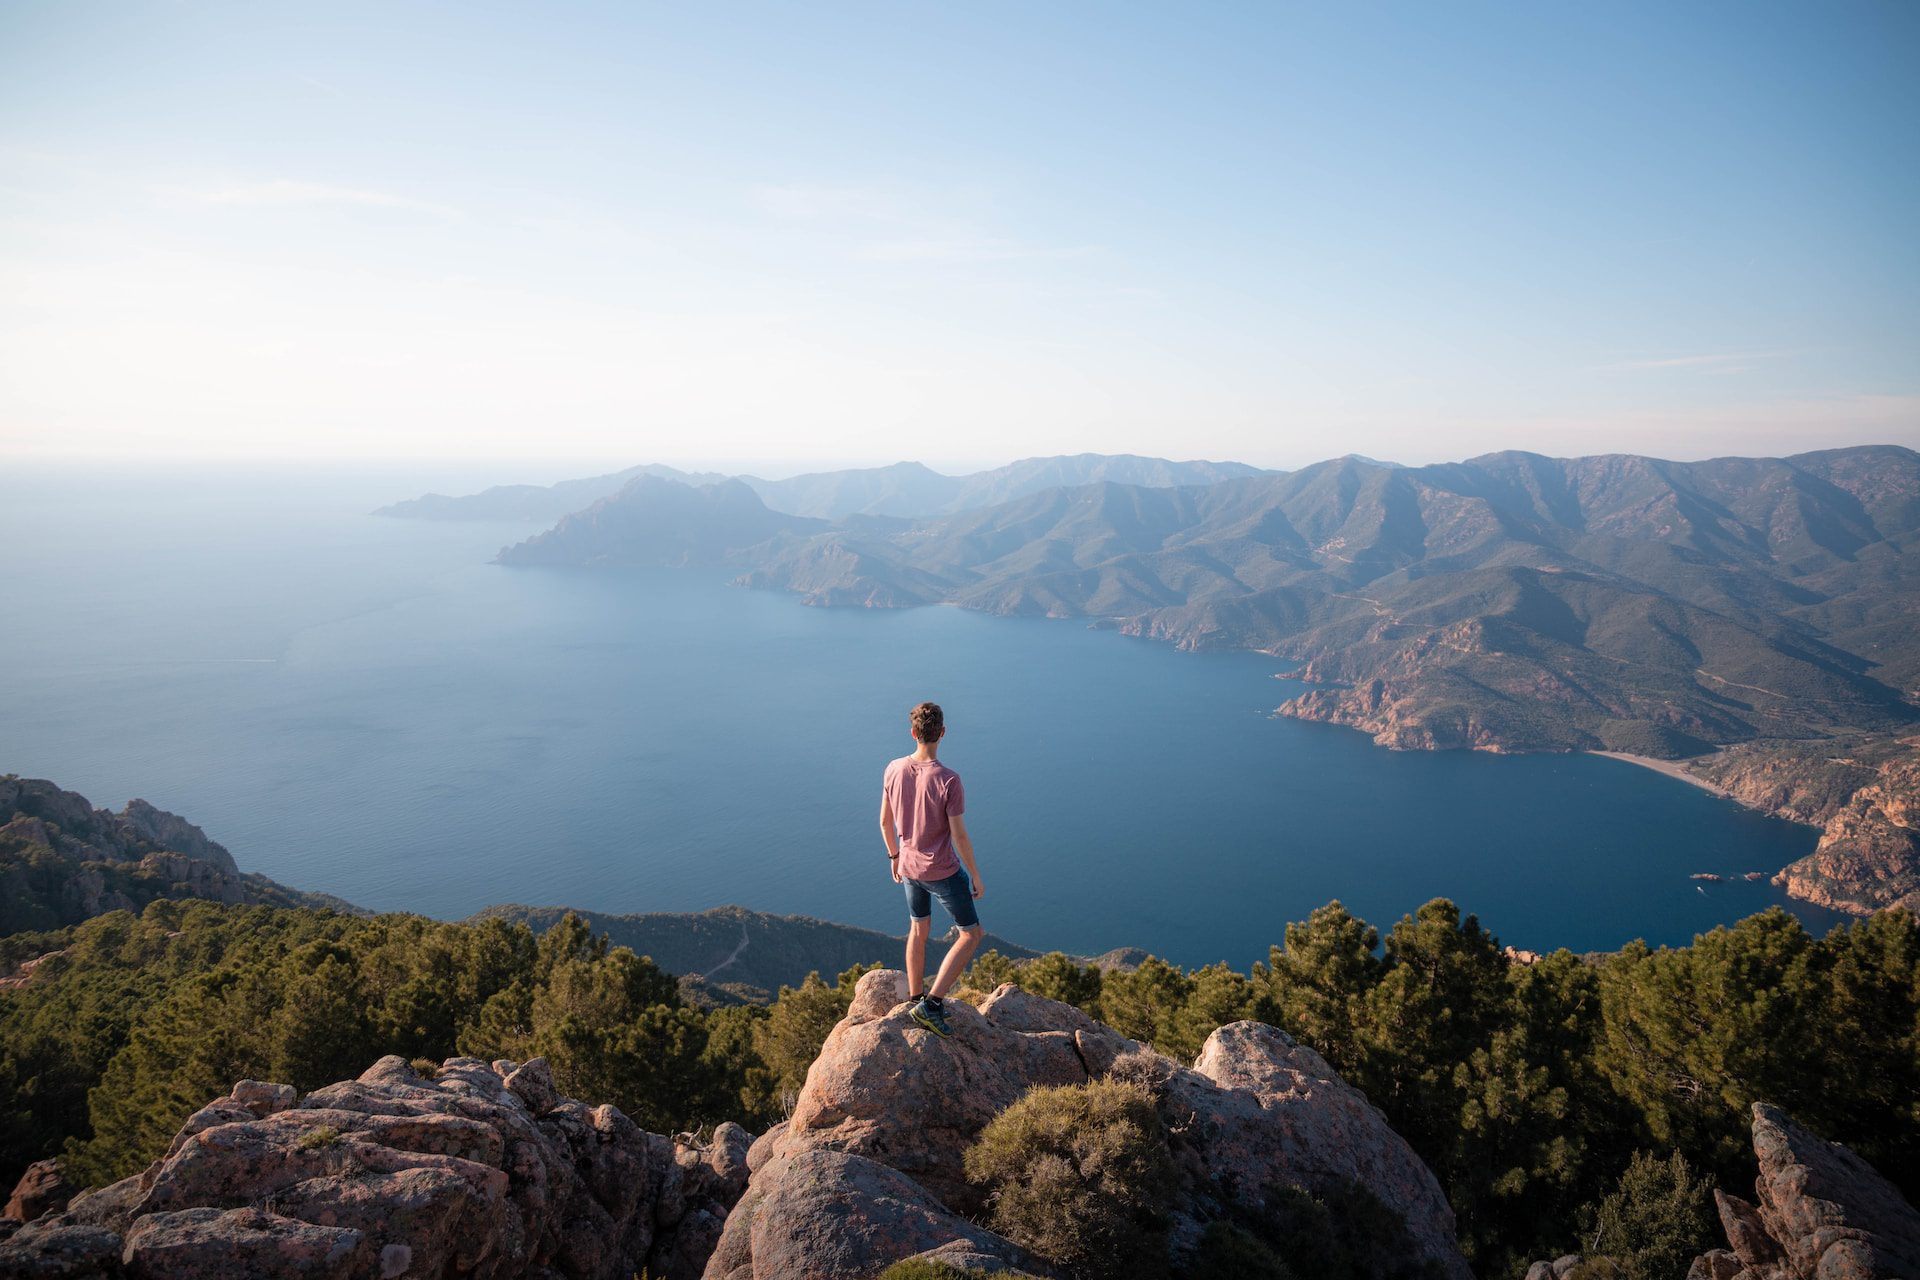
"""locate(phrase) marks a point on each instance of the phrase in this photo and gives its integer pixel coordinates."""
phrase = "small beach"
(1672, 768)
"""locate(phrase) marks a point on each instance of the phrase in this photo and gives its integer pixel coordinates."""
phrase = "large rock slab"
(887, 1089)
(55, 1250)
(479, 1170)
(829, 1215)
(238, 1244)
(1272, 1114)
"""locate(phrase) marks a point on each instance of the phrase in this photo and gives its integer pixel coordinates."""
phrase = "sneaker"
(930, 1018)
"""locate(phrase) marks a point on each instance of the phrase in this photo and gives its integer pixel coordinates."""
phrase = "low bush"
(321, 1136)
(1081, 1175)
(1344, 1233)
(922, 1269)
(1655, 1222)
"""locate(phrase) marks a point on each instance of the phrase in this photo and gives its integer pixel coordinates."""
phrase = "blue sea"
(370, 708)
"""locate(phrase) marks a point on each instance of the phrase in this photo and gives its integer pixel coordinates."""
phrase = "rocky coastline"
(63, 861)
(1860, 792)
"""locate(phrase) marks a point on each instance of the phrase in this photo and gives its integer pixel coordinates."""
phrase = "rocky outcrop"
(1869, 852)
(883, 1088)
(894, 1108)
(63, 861)
(1820, 1212)
(1863, 794)
(66, 821)
(1271, 1113)
(29, 970)
(172, 832)
(1408, 718)
(479, 1170)
(42, 1189)
(1804, 782)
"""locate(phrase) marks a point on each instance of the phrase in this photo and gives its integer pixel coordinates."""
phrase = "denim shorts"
(955, 894)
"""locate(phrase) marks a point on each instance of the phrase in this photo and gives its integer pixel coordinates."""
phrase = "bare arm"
(890, 834)
(964, 844)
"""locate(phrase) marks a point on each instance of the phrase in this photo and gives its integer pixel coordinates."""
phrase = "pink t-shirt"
(923, 794)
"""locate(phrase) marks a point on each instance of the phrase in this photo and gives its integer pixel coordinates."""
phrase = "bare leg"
(957, 959)
(917, 931)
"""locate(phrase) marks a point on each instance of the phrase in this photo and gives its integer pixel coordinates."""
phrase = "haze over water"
(367, 707)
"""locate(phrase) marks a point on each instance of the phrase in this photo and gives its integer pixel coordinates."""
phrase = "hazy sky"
(964, 233)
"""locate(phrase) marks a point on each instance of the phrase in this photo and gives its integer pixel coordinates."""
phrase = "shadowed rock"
(1823, 1213)
(1269, 1113)
(42, 1189)
(828, 1215)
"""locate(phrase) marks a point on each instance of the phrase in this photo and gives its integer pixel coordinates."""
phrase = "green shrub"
(1228, 1252)
(1340, 1234)
(1081, 1174)
(788, 1039)
(1598, 1269)
(1056, 977)
(990, 969)
(922, 1269)
(1657, 1220)
(320, 1136)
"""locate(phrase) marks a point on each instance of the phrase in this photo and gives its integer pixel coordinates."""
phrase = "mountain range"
(904, 490)
(1511, 602)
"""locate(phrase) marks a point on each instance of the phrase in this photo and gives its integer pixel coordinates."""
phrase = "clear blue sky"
(824, 233)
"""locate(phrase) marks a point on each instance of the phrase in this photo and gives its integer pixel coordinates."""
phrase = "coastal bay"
(368, 708)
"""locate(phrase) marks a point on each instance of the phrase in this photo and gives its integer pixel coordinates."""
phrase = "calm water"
(367, 707)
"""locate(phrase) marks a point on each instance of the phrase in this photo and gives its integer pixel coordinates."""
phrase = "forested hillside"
(1527, 1087)
(729, 954)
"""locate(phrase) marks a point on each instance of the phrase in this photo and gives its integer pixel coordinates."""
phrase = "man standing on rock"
(921, 801)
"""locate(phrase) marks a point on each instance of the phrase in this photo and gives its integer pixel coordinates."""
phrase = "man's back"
(922, 795)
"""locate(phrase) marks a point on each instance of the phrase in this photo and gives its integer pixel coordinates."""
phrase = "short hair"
(929, 722)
